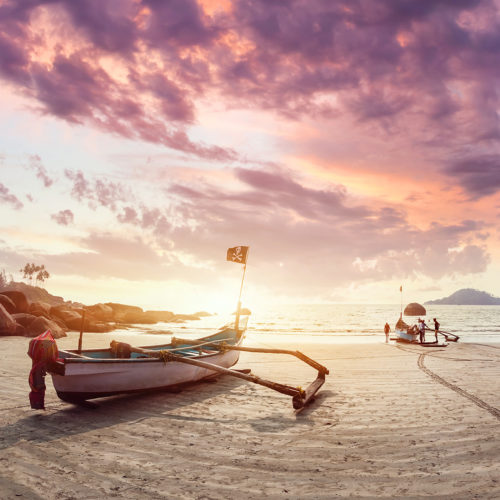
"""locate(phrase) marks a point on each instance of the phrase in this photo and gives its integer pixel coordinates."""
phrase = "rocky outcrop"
(161, 316)
(39, 308)
(24, 319)
(8, 324)
(137, 317)
(120, 310)
(42, 324)
(5, 301)
(180, 318)
(33, 293)
(202, 314)
(19, 300)
(101, 312)
(19, 316)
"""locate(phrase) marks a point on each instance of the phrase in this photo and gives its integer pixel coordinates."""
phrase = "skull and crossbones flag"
(237, 254)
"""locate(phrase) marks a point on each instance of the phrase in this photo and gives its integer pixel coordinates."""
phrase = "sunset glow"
(354, 146)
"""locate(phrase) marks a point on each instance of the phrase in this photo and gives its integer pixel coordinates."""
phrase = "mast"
(238, 307)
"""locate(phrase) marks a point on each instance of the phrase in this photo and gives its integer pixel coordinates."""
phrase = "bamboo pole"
(80, 339)
(222, 346)
(168, 356)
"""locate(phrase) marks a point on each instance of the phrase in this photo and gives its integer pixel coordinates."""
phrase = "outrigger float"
(80, 375)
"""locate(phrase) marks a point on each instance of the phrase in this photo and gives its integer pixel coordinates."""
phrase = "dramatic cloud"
(7, 197)
(321, 236)
(345, 141)
(478, 175)
(396, 64)
(63, 217)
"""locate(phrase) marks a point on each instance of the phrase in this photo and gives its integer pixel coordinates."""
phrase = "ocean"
(346, 322)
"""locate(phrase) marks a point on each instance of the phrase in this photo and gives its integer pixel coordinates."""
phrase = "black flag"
(237, 254)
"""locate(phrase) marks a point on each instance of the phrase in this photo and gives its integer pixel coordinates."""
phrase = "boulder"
(42, 324)
(137, 317)
(19, 300)
(7, 302)
(39, 308)
(184, 317)
(24, 319)
(20, 330)
(101, 312)
(65, 313)
(163, 316)
(8, 324)
(202, 314)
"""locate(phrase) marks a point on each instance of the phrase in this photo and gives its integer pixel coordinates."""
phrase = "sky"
(352, 145)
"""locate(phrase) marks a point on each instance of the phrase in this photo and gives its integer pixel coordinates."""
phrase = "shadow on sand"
(106, 412)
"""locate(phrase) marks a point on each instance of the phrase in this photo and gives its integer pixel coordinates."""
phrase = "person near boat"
(421, 329)
(436, 328)
(387, 329)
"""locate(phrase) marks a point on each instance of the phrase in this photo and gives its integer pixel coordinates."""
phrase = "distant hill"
(34, 293)
(467, 297)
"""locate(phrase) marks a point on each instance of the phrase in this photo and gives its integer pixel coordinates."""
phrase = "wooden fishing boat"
(94, 373)
(411, 335)
(79, 375)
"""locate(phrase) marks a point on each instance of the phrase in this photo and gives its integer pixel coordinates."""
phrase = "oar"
(300, 397)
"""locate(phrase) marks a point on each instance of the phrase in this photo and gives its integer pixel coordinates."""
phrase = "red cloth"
(41, 350)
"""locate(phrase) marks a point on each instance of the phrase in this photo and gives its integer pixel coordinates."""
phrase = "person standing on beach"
(387, 329)
(436, 328)
(421, 329)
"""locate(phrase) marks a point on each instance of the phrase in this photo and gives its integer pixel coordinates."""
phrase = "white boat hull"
(94, 378)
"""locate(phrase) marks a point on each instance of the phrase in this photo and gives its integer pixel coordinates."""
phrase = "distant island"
(467, 297)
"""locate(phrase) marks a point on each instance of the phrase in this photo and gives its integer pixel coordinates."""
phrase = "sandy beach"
(391, 421)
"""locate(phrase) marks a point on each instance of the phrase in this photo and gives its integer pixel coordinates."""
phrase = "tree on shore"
(42, 274)
(31, 270)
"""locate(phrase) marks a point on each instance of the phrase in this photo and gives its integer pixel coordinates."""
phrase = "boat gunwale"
(84, 359)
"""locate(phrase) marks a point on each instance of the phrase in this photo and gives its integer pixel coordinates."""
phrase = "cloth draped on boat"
(41, 350)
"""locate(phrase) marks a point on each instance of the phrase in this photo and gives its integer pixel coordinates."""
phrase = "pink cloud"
(63, 217)
(41, 171)
(7, 197)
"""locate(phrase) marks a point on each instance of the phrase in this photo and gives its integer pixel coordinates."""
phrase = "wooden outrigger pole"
(451, 337)
(300, 397)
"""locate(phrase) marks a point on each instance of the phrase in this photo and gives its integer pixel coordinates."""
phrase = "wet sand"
(391, 421)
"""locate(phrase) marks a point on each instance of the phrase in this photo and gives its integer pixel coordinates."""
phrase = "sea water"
(349, 322)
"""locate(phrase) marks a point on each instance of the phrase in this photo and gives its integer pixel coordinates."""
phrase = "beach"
(392, 420)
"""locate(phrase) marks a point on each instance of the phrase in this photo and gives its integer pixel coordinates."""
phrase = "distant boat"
(410, 334)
